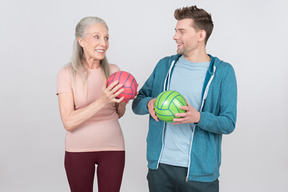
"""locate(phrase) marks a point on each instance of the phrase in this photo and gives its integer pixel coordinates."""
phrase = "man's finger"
(180, 115)
(186, 108)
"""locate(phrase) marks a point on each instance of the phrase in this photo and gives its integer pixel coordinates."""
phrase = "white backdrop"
(36, 40)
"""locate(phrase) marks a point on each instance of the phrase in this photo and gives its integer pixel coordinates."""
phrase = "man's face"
(186, 37)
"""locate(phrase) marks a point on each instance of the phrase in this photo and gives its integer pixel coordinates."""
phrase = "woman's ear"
(81, 42)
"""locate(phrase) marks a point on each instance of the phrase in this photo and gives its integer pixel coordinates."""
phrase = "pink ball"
(129, 84)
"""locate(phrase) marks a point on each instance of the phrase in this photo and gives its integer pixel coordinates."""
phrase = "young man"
(186, 155)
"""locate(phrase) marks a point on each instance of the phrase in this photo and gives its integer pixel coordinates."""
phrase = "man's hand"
(151, 110)
(191, 115)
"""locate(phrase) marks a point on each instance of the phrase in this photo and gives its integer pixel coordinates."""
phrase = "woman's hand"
(110, 93)
(72, 118)
(121, 108)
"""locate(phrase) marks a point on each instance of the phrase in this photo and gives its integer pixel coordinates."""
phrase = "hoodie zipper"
(202, 104)
(167, 81)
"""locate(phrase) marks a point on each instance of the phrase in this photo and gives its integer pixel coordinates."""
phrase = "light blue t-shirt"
(188, 79)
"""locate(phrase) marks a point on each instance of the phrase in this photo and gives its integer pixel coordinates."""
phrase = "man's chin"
(180, 52)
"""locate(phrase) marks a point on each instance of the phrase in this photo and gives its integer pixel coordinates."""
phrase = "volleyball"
(167, 104)
(129, 84)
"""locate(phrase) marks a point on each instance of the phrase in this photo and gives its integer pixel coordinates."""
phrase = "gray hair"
(76, 64)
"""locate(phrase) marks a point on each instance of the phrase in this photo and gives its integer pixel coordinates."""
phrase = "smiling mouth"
(100, 50)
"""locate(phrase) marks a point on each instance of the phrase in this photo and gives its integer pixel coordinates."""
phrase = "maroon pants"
(80, 170)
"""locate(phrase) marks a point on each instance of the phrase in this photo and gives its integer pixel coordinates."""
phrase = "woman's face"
(96, 42)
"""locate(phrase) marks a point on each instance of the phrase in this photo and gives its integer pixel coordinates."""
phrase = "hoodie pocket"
(204, 154)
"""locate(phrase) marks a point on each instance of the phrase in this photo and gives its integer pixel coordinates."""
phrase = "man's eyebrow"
(180, 29)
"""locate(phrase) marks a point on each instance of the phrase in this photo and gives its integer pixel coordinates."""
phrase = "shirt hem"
(94, 150)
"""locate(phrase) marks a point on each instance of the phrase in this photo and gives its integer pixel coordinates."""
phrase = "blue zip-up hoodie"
(218, 116)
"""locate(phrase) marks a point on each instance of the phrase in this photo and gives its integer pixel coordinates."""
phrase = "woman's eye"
(106, 38)
(96, 37)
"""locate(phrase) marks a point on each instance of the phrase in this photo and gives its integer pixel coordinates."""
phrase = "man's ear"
(202, 35)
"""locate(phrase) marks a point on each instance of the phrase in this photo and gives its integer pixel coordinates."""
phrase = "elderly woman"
(90, 112)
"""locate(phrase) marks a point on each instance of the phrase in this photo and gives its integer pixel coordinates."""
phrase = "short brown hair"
(202, 19)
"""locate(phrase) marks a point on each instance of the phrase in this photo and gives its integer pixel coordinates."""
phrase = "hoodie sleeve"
(139, 105)
(222, 119)
(153, 85)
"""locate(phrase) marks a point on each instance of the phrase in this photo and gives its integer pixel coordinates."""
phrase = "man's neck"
(198, 57)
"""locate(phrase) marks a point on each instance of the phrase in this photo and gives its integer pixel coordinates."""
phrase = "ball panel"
(174, 108)
(111, 79)
(165, 115)
(165, 98)
(179, 101)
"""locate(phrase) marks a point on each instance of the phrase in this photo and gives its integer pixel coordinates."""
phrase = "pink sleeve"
(113, 68)
(64, 83)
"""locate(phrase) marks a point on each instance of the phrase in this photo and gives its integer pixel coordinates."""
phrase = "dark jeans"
(80, 170)
(168, 178)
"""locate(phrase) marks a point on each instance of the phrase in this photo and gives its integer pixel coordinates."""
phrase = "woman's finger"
(116, 88)
(117, 100)
(112, 85)
(118, 92)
